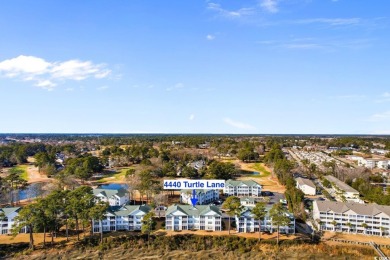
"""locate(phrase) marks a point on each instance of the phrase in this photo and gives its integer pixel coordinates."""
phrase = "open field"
(116, 177)
(33, 175)
(353, 237)
(126, 248)
(38, 238)
(226, 233)
(269, 182)
(24, 174)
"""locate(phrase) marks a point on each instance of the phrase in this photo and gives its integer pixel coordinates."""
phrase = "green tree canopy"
(233, 207)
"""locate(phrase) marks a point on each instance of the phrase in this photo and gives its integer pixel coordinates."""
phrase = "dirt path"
(269, 183)
(35, 176)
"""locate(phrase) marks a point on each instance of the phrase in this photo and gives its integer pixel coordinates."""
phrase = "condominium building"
(127, 217)
(306, 185)
(343, 191)
(247, 223)
(383, 164)
(242, 188)
(204, 196)
(113, 197)
(374, 163)
(7, 220)
(186, 217)
(370, 219)
(248, 201)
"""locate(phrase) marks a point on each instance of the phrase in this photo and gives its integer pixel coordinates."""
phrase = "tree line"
(61, 208)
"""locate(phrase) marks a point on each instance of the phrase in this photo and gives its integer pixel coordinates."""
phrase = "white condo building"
(370, 219)
(113, 197)
(373, 163)
(343, 191)
(7, 220)
(204, 196)
(246, 223)
(128, 217)
(186, 217)
(242, 188)
(307, 186)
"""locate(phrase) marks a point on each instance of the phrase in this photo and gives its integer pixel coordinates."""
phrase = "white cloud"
(230, 14)
(210, 37)
(318, 44)
(192, 117)
(176, 87)
(24, 65)
(302, 46)
(331, 21)
(47, 74)
(102, 88)
(78, 70)
(238, 124)
(352, 96)
(385, 97)
(270, 5)
(380, 117)
(47, 84)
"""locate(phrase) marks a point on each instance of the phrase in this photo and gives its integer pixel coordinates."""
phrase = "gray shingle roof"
(248, 199)
(341, 185)
(191, 211)
(249, 183)
(9, 210)
(109, 193)
(302, 181)
(128, 209)
(360, 209)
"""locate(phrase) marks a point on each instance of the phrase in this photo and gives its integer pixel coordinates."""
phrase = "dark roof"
(189, 210)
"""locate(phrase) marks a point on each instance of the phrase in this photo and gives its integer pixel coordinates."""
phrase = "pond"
(113, 186)
(33, 190)
(248, 173)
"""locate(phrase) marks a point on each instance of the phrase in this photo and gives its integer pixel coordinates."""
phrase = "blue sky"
(267, 66)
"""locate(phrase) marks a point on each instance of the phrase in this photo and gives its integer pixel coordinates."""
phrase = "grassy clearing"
(260, 168)
(24, 174)
(115, 176)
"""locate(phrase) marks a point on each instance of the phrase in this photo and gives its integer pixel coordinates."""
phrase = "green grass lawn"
(24, 174)
(263, 172)
(116, 176)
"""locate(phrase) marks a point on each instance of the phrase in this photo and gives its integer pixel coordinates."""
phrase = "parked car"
(160, 208)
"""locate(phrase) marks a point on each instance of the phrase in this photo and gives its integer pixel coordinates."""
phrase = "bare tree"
(159, 200)
(132, 181)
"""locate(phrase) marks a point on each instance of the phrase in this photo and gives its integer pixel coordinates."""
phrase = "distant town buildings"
(370, 219)
(198, 165)
(242, 188)
(370, 163)
(379, 151)
(186, 217)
